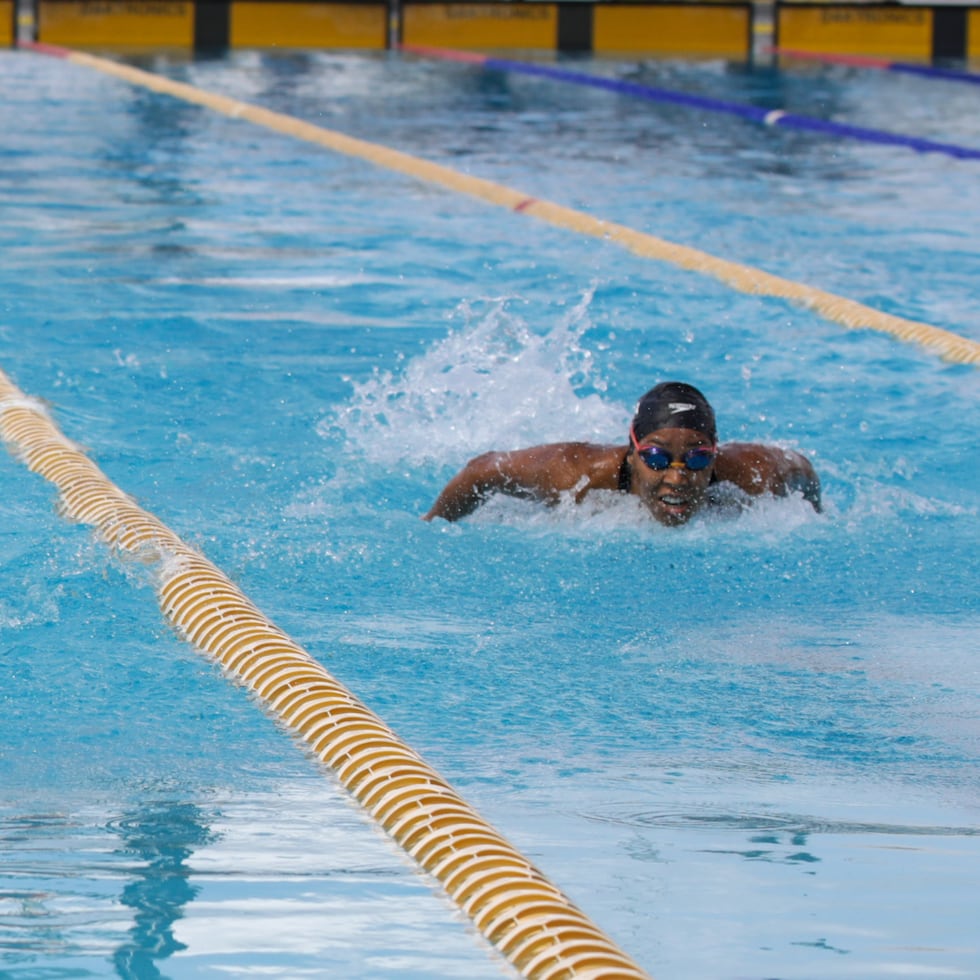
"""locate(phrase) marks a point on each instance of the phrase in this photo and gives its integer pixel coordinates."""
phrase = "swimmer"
(673, 463)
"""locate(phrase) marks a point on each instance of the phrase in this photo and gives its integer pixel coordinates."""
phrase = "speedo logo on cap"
(676, 407)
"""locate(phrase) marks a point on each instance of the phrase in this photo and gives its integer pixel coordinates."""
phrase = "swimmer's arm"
(539, 473)
(758, 469)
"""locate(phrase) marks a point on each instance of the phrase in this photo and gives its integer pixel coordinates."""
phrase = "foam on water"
(491, 382)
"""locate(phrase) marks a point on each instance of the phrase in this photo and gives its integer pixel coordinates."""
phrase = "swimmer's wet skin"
(672, 463)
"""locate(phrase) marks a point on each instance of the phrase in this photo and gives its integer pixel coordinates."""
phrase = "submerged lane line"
(747, 279)
(757, 114)
(517, 909)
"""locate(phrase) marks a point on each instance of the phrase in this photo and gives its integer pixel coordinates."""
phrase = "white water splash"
(494, 384)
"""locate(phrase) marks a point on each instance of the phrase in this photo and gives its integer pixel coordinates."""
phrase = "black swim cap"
(674, 405)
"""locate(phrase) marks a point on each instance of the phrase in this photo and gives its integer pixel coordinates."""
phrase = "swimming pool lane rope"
(747, 279)
(527, 918)
(651, 93)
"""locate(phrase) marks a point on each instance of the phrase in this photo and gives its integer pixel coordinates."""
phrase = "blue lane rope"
(766, 117)
(812, 124)
(948, 74)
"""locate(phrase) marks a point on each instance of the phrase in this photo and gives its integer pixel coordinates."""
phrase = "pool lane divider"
(752, 113)
(527, 918)
(747, 279)
(880, 64)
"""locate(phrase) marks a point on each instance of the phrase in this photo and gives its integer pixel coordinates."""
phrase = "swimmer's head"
(674, 405)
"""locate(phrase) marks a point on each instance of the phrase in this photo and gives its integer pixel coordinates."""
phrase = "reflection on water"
(59, 887)
(294, 881)
(159, 838)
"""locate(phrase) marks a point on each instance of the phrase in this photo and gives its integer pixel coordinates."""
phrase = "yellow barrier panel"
(7, 28)
(872, 29)
(516, 908)
(973, 34)
(846, 312)
(481, 26)
(715, 30)
(117, 23)
(351, 26)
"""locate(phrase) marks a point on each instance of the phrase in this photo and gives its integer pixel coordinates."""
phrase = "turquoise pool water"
(745, 748)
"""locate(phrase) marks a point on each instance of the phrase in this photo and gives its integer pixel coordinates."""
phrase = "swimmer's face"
(675, 494)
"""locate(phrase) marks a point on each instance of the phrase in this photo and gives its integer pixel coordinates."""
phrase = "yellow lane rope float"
(747, 279)
(540, 931)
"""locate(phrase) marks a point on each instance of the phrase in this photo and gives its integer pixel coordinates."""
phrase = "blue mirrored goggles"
(658, 458)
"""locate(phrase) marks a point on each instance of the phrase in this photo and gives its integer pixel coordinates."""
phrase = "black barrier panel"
(575, 27)
(211, 25)
(948, 32)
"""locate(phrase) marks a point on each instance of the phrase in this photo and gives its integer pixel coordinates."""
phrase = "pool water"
(745, 748)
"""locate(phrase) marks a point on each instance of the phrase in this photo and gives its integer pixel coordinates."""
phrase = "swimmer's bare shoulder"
(759, 469)
(538, 473)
